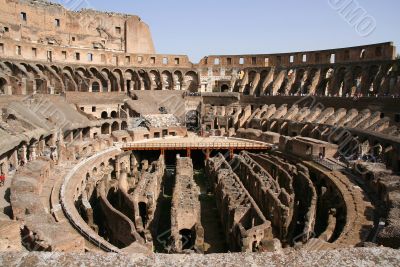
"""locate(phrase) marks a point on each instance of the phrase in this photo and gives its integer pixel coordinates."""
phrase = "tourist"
(2, 179)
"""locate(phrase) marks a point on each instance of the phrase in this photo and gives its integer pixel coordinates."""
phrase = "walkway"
(197, 143)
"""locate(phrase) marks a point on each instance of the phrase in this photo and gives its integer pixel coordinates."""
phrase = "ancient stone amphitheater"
(115, 155)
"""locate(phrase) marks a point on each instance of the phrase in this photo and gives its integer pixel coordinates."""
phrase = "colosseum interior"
(110, 148)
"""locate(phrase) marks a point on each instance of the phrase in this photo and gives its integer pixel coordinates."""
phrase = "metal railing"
(211, 145)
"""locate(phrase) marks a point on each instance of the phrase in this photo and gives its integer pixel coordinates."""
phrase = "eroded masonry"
(107, 146)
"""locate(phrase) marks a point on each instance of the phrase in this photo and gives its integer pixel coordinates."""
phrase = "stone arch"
(103, 79)
(114, 126)
(124, 125)
(104, 115)
(105, 128)
(113, 82)
(94, 171)
(3, 86)
(178, 80)
(124, 112)
(95, 86)
(67, 75)
(86, 133)
(57, 80)
(325, 82)
(167, 80)
(114, 114)
(296, 88)
(356, 81)
(132, 80)
(282, 89)
(249, 84)
(41, 80)
(191, 81)
(310, 82)
(117, 73)
(102, 165)
(224, 88)
(23, 78)
(82, 77)
(339, 85)
(155, 80)
(371, 81)
(260, 88)
(144, 80)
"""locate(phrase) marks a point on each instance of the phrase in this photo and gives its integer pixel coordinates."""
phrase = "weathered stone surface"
(351, 257)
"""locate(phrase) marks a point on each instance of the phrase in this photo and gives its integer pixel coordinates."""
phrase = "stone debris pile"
(162, 120)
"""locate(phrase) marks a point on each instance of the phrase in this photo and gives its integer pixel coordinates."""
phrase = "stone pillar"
(8, 90)
(22, 154)
(80, 135)
(108, 86)
(178, 86)
(132, 86)
(70, 137)
(14, 159)
(23, 86)
(33, 152)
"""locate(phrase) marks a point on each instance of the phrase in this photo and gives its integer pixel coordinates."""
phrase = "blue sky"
(204, 27)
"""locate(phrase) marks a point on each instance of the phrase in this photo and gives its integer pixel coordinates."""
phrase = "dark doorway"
(225, 88)
(143, 213)
(95, 87)
(187, 238)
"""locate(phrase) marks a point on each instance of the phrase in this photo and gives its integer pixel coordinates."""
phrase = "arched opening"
(114, 114)
(123, 112)
(112, 80)
(124, 126)
(144, 80)
(178, 80)
(297, 85)
(41, 86)
(3, 84)
(82, 78)
(323, 86)
(95, 87)
(111, 165)
(104, 115)
(105, 128)
(115, 126)
(87, 177)
(102, 77)
(251, 81)
(166, 78)
(117, 73)
(187, 238)
(191, 82)
(86, 133)
(340, 82)
(372, 83)
(224, 88)
(356, 82)
(155, 80)
(143, 212)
